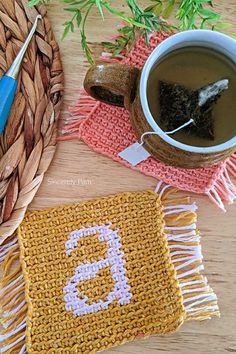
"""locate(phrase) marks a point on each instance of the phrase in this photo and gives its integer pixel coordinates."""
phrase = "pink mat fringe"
(108, 130)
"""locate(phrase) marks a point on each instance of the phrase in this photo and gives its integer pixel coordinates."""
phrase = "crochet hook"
(8, 83)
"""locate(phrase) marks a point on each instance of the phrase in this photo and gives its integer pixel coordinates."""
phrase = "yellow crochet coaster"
(108, 271)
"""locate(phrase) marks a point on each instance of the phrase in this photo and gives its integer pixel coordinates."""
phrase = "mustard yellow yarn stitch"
(155, 303)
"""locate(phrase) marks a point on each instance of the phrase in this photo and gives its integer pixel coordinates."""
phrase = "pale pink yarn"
(108, 130)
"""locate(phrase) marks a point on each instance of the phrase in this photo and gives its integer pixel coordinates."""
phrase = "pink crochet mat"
(108, 130)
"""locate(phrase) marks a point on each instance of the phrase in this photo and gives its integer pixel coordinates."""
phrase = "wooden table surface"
(77, 174)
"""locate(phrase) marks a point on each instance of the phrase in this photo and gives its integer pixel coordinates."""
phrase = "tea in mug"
(172, 87)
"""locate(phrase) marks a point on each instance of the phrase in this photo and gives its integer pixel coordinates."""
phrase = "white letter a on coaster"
(78, 303)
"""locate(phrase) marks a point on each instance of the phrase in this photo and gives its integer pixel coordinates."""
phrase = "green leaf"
(121, 15)
(203, 24)
(156, 9)
(34, 2)
(150, 8)
(86, 48)
(78, 18)
(117, 51)
(71, 9)
(191, 21)
(108, 45)
(200, 2)
(99, 6)
(66, 30)
(169, 9)
(125, 29)
(212, 15)
(222, 25)
(72, 27)
(71, 2)
(232, 36)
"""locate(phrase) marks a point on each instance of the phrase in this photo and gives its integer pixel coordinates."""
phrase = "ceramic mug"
(126, 86)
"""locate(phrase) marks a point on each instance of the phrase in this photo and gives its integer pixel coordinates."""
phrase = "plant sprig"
(142, 21)
(149, 23)
(191, 14)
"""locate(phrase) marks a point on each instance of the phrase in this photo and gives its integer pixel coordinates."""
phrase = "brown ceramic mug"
(126, 86)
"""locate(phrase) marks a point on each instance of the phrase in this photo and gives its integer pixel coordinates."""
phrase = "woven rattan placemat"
(29, 141)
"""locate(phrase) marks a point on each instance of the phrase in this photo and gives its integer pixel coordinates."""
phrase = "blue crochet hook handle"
(8, 83)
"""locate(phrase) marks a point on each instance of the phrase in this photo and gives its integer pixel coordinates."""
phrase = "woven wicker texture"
(29, 141)
(147, 297)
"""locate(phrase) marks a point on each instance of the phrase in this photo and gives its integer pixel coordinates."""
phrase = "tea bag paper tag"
(134, 154)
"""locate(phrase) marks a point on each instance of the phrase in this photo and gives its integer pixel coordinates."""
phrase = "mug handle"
(114, 84)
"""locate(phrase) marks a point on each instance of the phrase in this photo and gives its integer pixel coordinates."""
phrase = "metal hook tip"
(16, 65)
(39, 17)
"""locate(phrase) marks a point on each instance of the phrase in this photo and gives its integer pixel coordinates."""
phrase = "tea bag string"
(191, 121)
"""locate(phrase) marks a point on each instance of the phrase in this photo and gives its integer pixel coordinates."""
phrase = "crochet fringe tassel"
(222, 190)
(13, 308)
(199, 300)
